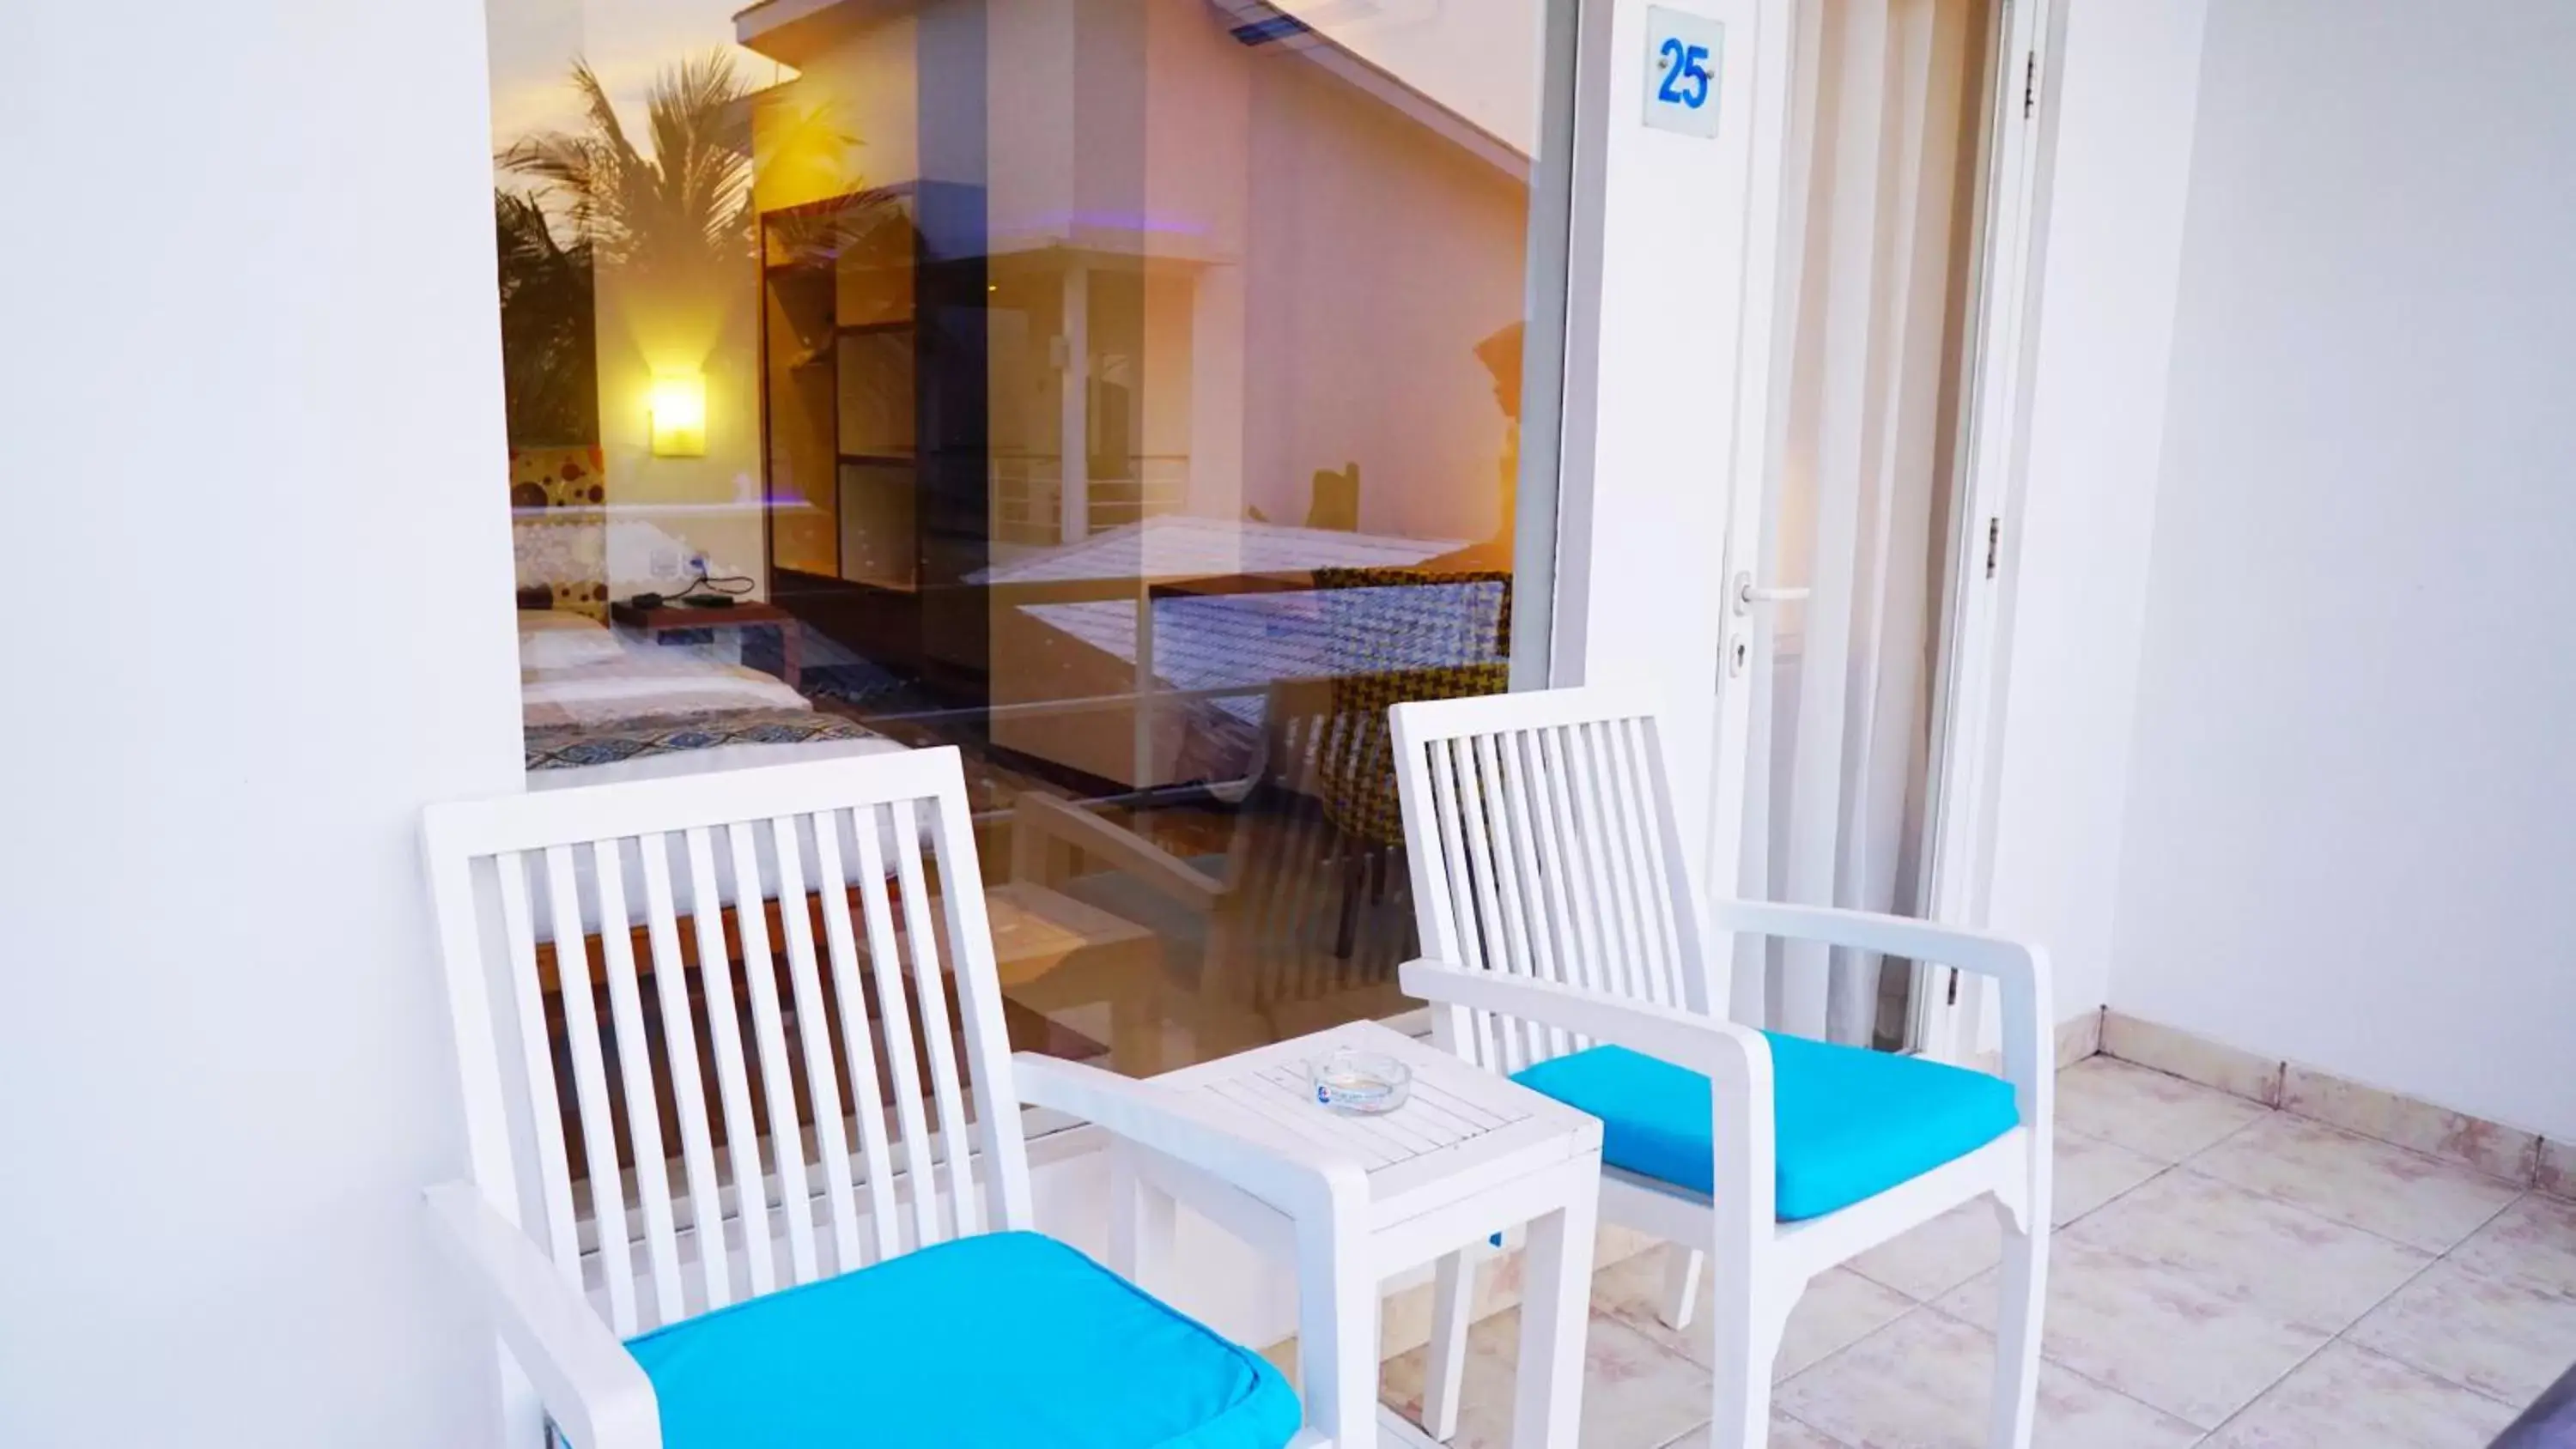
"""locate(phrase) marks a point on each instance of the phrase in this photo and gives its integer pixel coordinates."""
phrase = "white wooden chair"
(842, 1251)
(1568, 948)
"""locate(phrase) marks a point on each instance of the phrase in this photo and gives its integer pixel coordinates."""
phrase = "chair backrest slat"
(554, 1173)
(1542, 844)
(1630, 830)
(1641, 787)
(904, 1064)
(1608, 865)
(593, 1085)
(1512, 800)
(930, 988)
(1456, 938)
(590, 1088)
(1588, 958)
(733, 1075)
(1490, 922)
(851, 994)
(979, 995)
(769, 1043)
(635, 1066)
(688, 1089)
(814, 1036)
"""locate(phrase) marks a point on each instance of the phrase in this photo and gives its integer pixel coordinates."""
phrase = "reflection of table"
(1056, 952)
(1469, 1155)
(748, 614)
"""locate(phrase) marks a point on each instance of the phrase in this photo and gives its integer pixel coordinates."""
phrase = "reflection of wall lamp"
(679, 403)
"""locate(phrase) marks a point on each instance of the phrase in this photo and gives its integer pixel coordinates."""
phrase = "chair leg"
(1346, 924)
(1748, 1316)
(1682, 1265)
(1453, 1288)
(2024, 1287)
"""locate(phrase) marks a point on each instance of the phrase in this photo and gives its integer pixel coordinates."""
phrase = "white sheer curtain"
(1882, 175)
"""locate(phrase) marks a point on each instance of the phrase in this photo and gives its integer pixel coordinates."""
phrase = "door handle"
(1746, 595)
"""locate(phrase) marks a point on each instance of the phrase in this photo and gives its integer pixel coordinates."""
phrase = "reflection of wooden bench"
(1054, 953)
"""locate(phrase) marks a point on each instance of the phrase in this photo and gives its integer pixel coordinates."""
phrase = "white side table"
(1468, 1155)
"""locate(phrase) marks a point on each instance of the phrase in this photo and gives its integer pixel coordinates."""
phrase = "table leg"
(1337, 1310)
(1556, 1283)
(1142, 1218)
(791, 654)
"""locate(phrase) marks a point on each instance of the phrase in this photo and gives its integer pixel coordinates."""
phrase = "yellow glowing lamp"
(679, 403)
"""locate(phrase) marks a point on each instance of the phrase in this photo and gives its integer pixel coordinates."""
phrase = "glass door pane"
(1126, 392)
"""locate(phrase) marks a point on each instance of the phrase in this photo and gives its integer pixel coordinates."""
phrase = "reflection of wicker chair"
(1310, 912)
(1386, 654)
(1288, 946)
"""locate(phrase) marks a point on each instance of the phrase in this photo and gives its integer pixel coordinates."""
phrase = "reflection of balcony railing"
(1028, 496)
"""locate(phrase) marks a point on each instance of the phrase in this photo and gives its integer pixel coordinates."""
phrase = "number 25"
(1684, 63)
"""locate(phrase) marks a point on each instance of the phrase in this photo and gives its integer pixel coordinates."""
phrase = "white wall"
(2126, 86)
(2352, 819)
(250, 427)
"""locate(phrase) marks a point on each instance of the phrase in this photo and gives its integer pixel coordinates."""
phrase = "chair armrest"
(1300, 1178)
(1720, 1050)
(1038, 821)
(591, 1386)
(2020, 971)
(1735, 1059)
(2008, 961)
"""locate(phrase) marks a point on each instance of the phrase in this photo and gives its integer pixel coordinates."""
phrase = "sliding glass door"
(1137, 395)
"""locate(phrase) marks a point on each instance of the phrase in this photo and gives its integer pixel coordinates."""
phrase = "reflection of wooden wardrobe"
(876, 434)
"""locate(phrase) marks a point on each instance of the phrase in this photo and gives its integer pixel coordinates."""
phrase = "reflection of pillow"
(550, 640)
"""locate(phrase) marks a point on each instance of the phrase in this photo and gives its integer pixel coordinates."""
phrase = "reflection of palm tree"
(681, 208)
(549, 346)
(673, 215)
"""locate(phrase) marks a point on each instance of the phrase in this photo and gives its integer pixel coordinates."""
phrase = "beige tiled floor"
(2223, 1275)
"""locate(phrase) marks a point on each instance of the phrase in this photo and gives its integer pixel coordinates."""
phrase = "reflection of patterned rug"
(561, 747)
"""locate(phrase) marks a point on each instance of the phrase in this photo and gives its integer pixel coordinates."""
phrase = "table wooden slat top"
(1460, 1128)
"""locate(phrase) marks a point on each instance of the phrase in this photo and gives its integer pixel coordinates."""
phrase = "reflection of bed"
(597, 707)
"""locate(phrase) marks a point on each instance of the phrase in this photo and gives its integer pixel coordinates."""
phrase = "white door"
(1683, 109)
(1837, 276)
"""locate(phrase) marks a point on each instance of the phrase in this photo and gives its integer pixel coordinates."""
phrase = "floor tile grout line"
(2447, 1164)
(2332, 1337)
(1852, 1346)
(2162, 1167)
(2302, 1208)
(2342, 1335)
(2526, 1184)
(2097, 1208)
(1829, 1438)
(2070, 1370)
(2416, 1368)
(2198, 1171)
(2284, 1375)
(2446, 1256)
(2232, 1133)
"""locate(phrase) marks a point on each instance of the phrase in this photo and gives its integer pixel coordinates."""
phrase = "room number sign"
(1683, 55)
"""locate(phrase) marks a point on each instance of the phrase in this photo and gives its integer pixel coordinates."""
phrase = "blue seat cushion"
(1848, 1123)
(1007, 1339)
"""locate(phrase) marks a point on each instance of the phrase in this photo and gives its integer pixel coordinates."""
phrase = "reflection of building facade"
(1037, 270)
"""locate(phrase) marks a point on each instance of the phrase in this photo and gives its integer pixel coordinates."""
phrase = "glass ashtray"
(1362, 1084)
